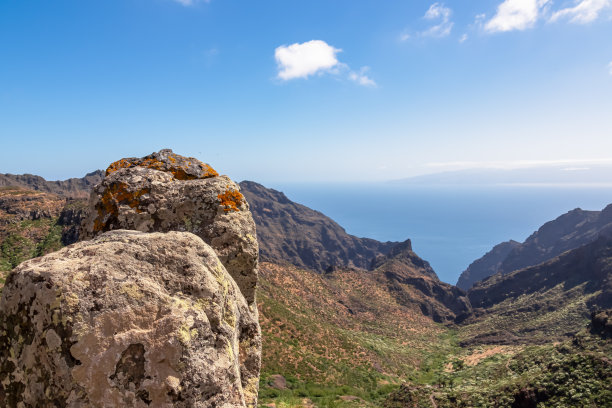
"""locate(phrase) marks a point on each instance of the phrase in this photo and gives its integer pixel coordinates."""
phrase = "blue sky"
(278, 91)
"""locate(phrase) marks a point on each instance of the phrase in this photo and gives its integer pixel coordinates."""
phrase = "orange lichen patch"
(119, 164)
(115, 195)
(231, 199)
(208, 171)
(177, 166)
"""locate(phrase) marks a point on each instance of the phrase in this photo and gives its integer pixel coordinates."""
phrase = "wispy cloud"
(585, 11)
(463, 38)
(361, 77)
(437, 14)
(515, 15)
(315, 57)
(610, 67)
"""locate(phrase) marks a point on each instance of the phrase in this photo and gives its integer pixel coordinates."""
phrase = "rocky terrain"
(345, 320)
(569, 231)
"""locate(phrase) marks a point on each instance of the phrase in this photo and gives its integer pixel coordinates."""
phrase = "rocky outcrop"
(127, 319)
(411, 280)
(486, 266)
(168, 192)
(72, 188)
(293, 233)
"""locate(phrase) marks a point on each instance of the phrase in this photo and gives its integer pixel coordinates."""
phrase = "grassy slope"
(341, 334)
(575, 373)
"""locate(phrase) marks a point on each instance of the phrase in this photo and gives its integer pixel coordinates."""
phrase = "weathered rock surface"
(127, 319)
(168, 192)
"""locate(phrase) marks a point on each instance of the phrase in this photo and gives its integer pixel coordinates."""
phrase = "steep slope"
(569, 231)
(73, 187)
(339, 334)
(486, 266)
(291, 232)
(412, 281)
(544, 302)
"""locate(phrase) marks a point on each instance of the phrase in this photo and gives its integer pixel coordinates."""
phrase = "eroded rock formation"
(127, 319)
(168, 192)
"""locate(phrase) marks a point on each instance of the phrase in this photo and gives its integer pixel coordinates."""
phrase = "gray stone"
(128, 319)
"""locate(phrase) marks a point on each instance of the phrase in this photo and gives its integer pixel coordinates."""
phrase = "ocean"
(449, 226)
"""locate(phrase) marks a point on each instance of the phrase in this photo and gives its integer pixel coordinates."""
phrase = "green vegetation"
(574, 373)
(29, 239)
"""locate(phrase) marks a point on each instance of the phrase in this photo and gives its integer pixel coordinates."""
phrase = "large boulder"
(168, 192)
(127, 319)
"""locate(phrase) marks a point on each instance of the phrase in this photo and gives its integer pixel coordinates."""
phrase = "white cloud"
(463, 38)
(361, 77)
(315, 57)
(438, 11)
(515, 15)
(583, 12)
(305, 59)
(610, 67)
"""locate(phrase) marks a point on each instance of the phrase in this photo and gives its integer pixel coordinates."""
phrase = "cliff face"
(291, 232)
(569, 231)
(486, 266)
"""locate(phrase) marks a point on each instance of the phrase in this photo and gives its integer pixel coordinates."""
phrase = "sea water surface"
(450, 226)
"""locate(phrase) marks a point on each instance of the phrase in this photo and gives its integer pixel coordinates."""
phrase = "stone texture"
(168, 192)
(127, 319)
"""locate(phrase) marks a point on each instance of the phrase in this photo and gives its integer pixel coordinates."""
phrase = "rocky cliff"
(569, 231)
(291, 232)
(486, 266)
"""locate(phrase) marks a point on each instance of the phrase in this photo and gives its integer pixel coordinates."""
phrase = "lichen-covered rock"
(127, 319)
(167, 192)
